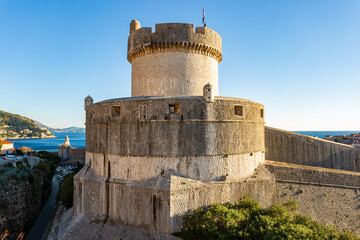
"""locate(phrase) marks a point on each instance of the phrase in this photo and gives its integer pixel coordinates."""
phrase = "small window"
(174, 108)
(116, 110)
(239, 110)
(143, 111)
(262, 112)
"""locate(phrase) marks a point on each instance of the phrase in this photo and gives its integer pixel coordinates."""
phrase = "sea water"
(322, 134)
(51, 144)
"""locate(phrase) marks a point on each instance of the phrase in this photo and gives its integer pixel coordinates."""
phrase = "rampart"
(284, 146)
(70, 154)
(329, 196)
(204, 141)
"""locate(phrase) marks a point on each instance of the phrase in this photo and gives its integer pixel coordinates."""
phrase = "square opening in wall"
(239, 110)
(174, 108)
(116, 110)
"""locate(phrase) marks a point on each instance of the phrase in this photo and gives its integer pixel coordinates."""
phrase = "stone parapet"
(174, 37)
(285, 146)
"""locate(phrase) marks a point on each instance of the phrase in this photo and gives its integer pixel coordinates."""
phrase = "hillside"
(16, 126)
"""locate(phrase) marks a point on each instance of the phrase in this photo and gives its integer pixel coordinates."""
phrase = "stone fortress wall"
(165, 151)
(174, 60)
(205, 141)
(284, 146)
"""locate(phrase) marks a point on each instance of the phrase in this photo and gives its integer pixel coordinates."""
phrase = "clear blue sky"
(301, 59)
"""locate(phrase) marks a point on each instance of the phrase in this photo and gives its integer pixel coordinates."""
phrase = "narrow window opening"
(116, 110)
(174, 108)
(262, 113)
(143, 112)
(239, 110)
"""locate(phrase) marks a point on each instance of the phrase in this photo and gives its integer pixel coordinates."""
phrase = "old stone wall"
(284, 146)
(77, 155)
(70, 154)
(327, 196)
(146, 127)
(64, 152)
(203, 168)
(140, 138)
(159, 203)
(173, 74)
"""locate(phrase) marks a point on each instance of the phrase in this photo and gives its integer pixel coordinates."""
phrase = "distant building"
(6, 147)
(69, 153)
(64, 149)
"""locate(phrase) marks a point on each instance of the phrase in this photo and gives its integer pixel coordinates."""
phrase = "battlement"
(174, 37)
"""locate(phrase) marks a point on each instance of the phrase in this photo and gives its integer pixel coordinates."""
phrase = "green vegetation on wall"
(248, 220)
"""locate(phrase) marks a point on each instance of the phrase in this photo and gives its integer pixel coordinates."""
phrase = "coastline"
(53, 136)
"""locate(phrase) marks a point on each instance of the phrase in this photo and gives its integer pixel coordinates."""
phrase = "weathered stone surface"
(284, 146)
(327, 196)
(159, 203)
(174, 60)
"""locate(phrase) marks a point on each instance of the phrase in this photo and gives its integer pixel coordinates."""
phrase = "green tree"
(65, 194)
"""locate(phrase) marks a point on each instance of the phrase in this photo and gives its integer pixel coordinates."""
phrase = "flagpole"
(203, 18)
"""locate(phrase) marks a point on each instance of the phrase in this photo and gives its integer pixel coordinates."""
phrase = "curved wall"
(204, 141)
(174, 60)
(173, 74)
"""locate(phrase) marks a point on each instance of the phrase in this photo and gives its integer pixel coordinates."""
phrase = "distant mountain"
(16, 126)
(60, 130)
(70, 130)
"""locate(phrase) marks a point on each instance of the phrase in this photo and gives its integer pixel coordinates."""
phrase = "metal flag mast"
(203, 18)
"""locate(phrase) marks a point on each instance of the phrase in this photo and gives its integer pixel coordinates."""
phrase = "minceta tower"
(174, 145)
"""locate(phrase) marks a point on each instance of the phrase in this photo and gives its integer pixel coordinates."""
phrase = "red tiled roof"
(6, 142)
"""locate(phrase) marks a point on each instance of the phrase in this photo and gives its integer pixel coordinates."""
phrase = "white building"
(6, 147)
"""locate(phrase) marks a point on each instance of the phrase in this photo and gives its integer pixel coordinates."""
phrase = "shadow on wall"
(284, 146)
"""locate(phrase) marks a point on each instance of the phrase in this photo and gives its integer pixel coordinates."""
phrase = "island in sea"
(13, 126)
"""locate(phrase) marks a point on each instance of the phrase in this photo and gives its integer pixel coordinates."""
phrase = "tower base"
(159, 203)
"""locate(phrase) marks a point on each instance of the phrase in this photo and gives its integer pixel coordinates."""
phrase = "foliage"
(65, 194)
(248, 220)
(49, 156)
(51, 159)
(45, 168)
(16, 123)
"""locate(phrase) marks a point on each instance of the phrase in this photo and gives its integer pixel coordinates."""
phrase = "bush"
(248, 220)
(49, 157)
(65, 194)
(45, 168)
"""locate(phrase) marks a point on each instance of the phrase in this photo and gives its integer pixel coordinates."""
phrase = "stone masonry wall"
(326, 195)
(174, 60)
(203, 168)
(145, 127)
(291, 147)
(173, 74)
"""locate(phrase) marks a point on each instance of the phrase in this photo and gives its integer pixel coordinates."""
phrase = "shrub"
(65, 194)
(49, 157)
(45, 168)
(248, 220)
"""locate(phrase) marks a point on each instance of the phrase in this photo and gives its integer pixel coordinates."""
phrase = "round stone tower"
(174, 145)
(174, 60)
